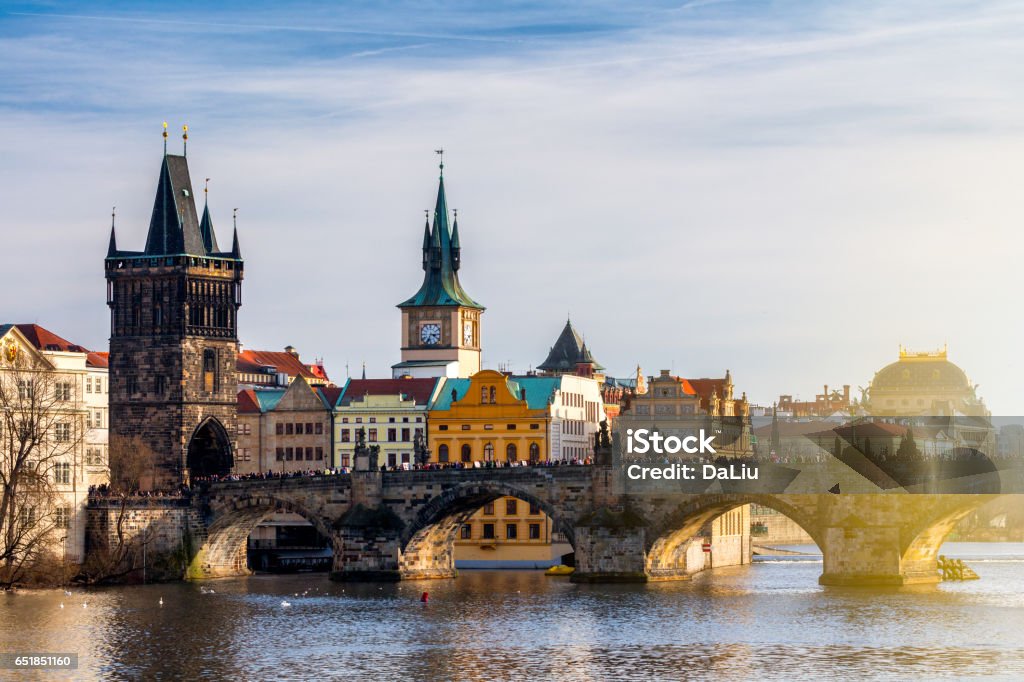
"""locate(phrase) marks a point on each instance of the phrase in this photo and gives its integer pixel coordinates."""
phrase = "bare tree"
(123, 553)
(41, 429)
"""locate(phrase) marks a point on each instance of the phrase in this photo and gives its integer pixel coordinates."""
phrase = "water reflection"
(766, 620)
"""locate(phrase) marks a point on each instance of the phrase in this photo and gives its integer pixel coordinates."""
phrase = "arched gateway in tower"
(173, 339)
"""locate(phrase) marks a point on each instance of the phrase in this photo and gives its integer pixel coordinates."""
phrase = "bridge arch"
(427, 544)
(668, 542)
(232, 519)
(925, 534)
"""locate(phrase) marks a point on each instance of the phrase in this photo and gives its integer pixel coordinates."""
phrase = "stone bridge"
(401, 525)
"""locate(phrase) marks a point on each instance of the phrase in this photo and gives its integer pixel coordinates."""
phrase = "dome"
(932, 373)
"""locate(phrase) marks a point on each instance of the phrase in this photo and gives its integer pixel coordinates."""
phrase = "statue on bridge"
(421, 455)
(603, 445)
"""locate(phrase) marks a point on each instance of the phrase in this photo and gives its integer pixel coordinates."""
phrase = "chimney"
(291, 351)
(846, 392)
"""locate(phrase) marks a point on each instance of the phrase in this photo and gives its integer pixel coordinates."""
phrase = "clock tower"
(440, 323)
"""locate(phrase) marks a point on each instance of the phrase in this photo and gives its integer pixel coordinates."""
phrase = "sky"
(789, 190)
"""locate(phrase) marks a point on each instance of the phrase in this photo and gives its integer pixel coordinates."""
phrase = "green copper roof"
(539, 391)
(441, 261)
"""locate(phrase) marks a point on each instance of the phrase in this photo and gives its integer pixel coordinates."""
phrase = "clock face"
(430, 334)
(467, 333)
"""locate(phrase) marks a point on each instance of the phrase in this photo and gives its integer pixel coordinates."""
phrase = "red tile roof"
(256, 362)
(94, 359)
(247, 403)
(43, 339)
(331, 394)
(419, 390)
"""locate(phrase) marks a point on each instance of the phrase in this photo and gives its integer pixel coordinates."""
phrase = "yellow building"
(922, 383)
(488, 418)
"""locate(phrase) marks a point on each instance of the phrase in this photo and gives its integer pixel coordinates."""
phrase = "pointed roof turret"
(455, 231)
(441, 285)
(112, 246)
(236, 250)
(569, 349)
(174, 225)
(206, 230)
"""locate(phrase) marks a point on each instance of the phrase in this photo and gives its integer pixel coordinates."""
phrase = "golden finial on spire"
(206, 187)
(184, 136)
(165, 137)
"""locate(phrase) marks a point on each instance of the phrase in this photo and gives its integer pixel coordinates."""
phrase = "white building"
(75, 436)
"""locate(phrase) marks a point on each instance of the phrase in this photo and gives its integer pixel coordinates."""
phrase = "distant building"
(72, 419)
(391, 412)
(676, 406)
(262, 368)
(923, 383)
(283, 430)
(570, 355)
(824, 404)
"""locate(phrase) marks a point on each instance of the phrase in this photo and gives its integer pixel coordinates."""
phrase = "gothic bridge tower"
(174, 339)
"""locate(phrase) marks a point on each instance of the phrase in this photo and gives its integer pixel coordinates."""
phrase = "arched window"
(534, 452)
(442, 453)
(492, 395)
(489, 452)
(467, 453)
(510, 452)
(483, 395)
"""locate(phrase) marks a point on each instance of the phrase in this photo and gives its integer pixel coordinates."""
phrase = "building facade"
(392, 414)
(59, 388)
(173, 337)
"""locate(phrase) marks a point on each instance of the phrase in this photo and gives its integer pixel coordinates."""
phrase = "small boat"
(561, 569)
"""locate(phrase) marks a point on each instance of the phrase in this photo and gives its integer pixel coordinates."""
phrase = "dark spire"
(426, 240)
(112, 248)
(174, 225)
(456, 249)
(441, 282)
(206, 230)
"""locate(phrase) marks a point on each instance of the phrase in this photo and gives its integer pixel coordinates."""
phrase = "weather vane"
(440, 152)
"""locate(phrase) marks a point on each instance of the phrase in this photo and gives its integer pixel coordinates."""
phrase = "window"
(25, 389)
(62, 432)
(442, 453)
(535, 531)
(511, 531)
(62, 473)
(534, 427)
(510, 427)
(88, 384)
(405, 458)
(245, 456)
(210, 370)
(405, 435)
(344, 420)
(97, 419)
(466, 532)
(161, 384)
(279, 429)
(280, 454)
(510, 507)
(534, 452)
(488, 427)
(483, 395)
(392, 435)
(345, 438)
(28, 517)
(392, 459)
(62, 517)
(373, 436)
(465, 427)
(289, 454)
(319, 428)
(534, 510)
(289, 429)
(489, 509)
(442, 427)
(467, 453)
(511, 452)
(319, 453)
(309, 428)
(492, 395)
(359, 420)
(373, 420)
(488, 531)
(63, 391)
(391, 420)
(489, 452)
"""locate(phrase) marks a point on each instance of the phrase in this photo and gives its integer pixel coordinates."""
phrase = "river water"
(769, 620)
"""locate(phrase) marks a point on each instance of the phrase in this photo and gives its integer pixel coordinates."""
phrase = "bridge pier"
(870, 556)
